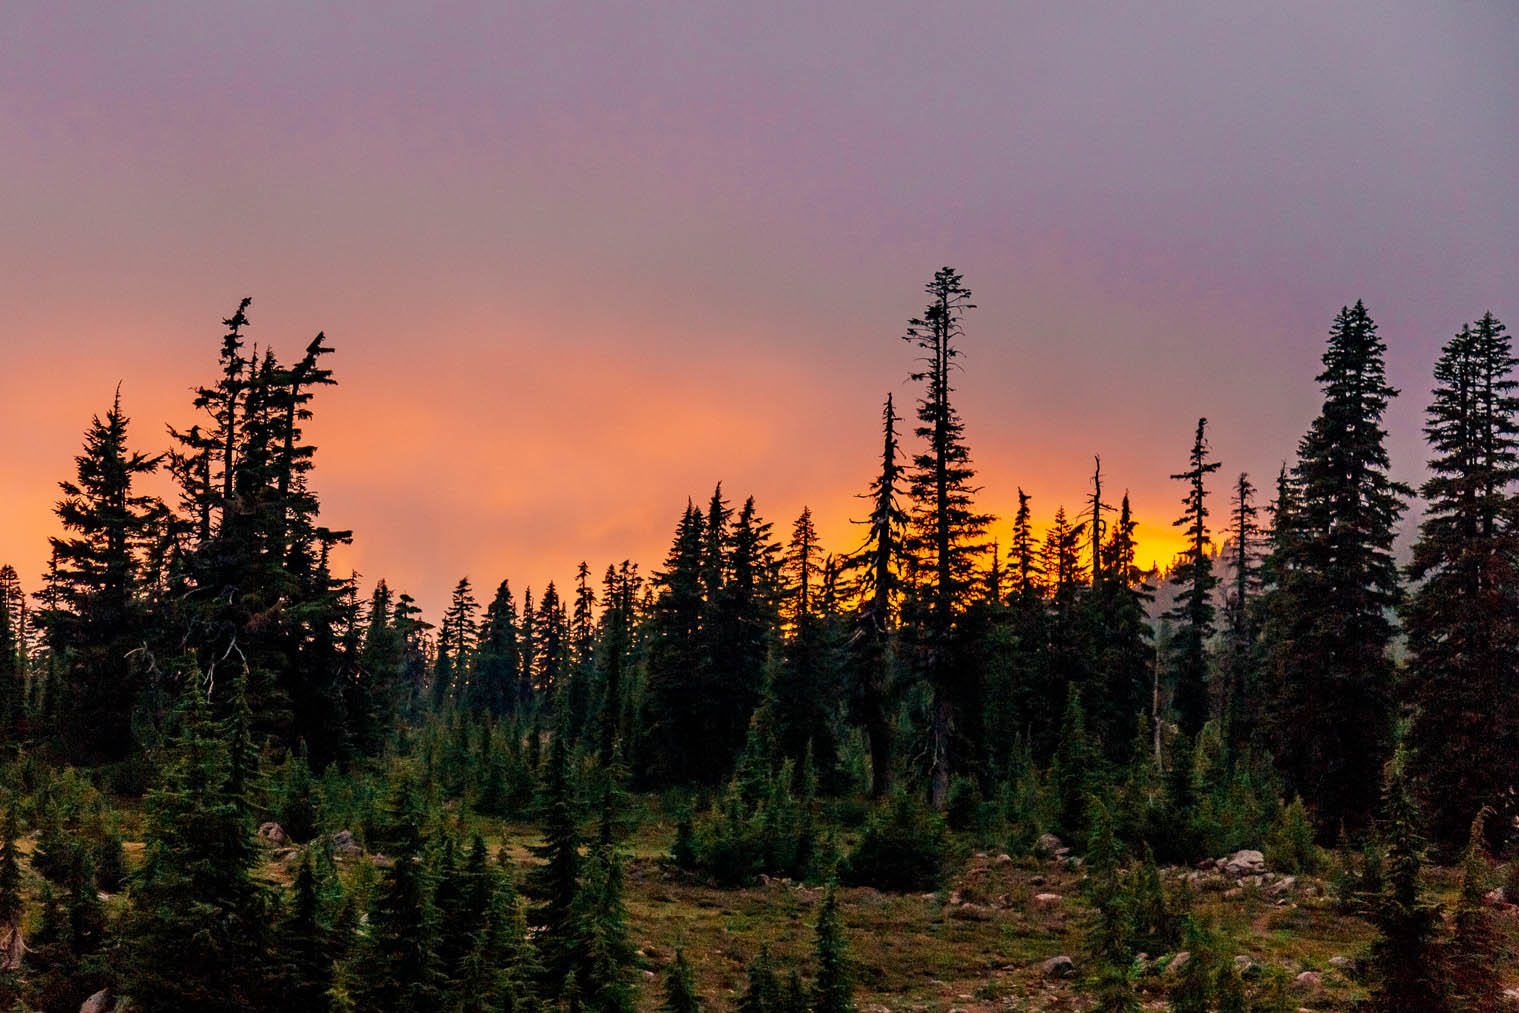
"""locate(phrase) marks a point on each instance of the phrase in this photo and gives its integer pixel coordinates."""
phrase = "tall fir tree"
(1240, 704)
(672, 722)
(878, 566)
(1122, 651)
(804, 691)
(1335, 584)
(254, 587)
(99, 626)
(551, 643)
(1462, 619)
(1193, 575)
(457, 639)
(947, 529)
(493, 679)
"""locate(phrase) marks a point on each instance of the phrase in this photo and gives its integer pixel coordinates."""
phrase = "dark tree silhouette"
(947, 530)
(1336, 581)
(1194, 576)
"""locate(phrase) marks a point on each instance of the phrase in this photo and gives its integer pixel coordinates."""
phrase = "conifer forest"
(963, 762)
(678, 506)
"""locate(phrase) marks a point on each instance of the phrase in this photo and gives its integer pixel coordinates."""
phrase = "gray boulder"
(1245, 863)
(1059, 967)
(344, 846)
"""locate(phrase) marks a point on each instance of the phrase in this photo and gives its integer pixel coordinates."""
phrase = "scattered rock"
(344, 846)
(1281, 886)
(1047, 899)
(1048, 846)
(1059, 967)
(1182, 959)
(100, 1002)
(1345, 965)
(1244, 863)
(1496, 898)
(1308, 981)
(1004, 859)
(1036, 881)
(1511, 996)
(273, 833)
(382, 860)
(1244, 963)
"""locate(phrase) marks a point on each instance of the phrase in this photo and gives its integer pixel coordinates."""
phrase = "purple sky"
(579, 261)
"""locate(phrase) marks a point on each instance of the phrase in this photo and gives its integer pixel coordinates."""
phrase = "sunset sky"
(580, 261)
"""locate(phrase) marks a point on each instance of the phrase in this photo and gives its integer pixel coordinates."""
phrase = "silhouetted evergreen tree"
(1193, 611)
(1066, 642)
(673, 734)
(580, 668)
(493, 678)
(1029, 695)
(1335, 582)
(619, 589)
(745, 631)
(1240, 704)
(947, 530)
(879, 565)
(254, 589)
(550, 643)
(1463, 618)
(457, 639)
(1121, 651)
(98, 628)
(527, 652)
(804, 692)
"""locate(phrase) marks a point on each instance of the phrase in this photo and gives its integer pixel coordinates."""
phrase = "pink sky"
(580, 261)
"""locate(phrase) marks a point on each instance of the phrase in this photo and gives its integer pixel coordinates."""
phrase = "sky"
(582, 260)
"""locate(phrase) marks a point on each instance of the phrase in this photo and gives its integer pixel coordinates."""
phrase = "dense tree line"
(203, 653)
